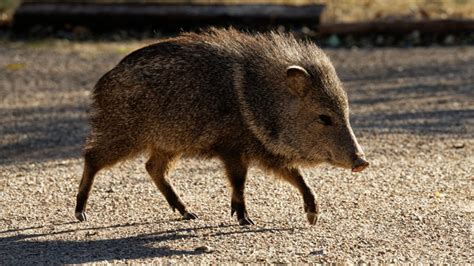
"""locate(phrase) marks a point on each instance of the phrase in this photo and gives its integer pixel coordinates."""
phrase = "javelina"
(264, 99)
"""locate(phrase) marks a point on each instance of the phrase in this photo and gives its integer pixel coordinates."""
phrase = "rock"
(334, 41)
(203, 249)
(380, 40)
(415, 37)
(459, 145)
(449, 40)
(320, 252)
(308, 31)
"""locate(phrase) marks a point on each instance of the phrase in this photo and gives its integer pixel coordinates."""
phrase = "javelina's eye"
(325, 120)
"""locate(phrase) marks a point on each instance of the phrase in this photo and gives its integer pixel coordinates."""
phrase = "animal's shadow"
(20, 249)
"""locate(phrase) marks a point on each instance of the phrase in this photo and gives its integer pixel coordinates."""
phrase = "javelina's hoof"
(189, 216)
(81, 216)
(246, 221)
(312, 217)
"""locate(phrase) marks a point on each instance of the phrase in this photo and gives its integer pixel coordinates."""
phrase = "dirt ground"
(412, 110)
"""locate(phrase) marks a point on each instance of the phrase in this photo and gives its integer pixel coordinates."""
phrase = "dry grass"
(7, 7)
(368, 10)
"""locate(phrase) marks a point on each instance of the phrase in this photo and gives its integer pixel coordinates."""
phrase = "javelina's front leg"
(296, 179)
(236, 171)
(157, 166)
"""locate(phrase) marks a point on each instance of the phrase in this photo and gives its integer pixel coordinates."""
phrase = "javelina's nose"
(359, 164)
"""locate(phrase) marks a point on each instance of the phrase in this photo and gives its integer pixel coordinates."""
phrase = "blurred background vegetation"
(7, 7)
(337, 11)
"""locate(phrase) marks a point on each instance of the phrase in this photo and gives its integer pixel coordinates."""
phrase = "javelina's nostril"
(359, 165)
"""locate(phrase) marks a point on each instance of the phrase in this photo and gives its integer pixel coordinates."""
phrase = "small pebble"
(449, 40)
(203, 249)
(334, 41)
(320, 252)
(458, 145)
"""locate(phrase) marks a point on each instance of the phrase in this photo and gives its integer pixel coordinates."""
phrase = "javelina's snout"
(359, 164)
(346, 151)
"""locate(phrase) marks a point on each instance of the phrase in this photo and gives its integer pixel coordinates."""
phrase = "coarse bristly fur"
(268, 99)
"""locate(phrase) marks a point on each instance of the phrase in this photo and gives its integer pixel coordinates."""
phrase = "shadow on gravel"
(419, 70)
(431, 100)
(457, 122)
(42, 133)
(22, 250)
(434, 93)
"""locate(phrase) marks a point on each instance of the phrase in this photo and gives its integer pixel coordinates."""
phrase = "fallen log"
(120, 14)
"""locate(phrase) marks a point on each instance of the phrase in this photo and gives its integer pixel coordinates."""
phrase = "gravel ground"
(413, 111)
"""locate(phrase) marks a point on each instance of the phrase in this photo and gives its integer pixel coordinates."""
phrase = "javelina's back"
(176, 94)
(268, 99)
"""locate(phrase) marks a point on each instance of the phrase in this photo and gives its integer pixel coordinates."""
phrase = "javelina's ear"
(298, 80)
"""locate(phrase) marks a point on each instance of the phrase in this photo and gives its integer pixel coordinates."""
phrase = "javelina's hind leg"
(236, 171)
(158, 166)
(84, 189)
(94, 160)
(296, 179)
